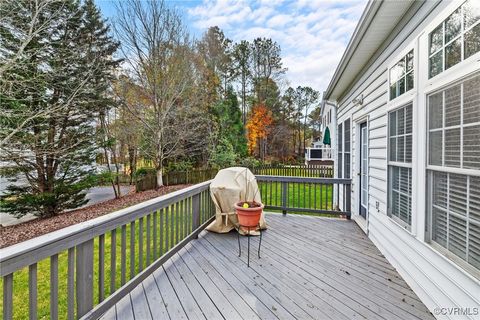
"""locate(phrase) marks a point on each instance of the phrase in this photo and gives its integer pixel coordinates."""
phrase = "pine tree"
(228, 116)
(65, 83)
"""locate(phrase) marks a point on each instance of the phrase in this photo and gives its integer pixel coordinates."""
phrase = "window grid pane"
(401, 76)
(454, 198)
(346, 151)
(400, 178)
(455, 212)
(340, 148)
(454, 125)
(456, 31)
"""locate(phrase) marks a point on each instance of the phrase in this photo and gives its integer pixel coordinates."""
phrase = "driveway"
(94, 195)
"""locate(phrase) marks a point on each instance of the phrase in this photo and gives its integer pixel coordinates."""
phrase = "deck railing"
(90, 266)
(305, 195)
(95, 255)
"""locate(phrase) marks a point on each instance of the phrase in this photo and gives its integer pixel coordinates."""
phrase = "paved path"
(94, 195)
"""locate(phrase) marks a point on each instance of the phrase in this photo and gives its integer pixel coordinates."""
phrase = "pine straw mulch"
(11, 235)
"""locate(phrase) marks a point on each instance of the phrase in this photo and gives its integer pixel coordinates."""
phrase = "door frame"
(363, 222)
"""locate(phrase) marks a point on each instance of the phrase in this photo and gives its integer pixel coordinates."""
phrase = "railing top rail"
(303, 179)
(25, 253)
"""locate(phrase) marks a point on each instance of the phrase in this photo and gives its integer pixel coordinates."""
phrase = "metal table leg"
(239, 248)
(248, 246)
(248, 250)
(260, 243)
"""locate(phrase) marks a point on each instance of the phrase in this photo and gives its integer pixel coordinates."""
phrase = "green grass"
(308, 196)
(20, 282)
(293, 171)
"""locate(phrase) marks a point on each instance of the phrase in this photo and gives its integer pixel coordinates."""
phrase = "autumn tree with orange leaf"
(258, 127)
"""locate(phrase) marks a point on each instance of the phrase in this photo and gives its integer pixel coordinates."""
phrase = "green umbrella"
(326, 137)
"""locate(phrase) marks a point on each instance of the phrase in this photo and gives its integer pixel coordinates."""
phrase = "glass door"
(363, 170)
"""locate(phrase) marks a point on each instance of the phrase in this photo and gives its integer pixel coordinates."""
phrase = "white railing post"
(84, 277)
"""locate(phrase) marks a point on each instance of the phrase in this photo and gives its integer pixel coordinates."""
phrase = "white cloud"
(312, 34)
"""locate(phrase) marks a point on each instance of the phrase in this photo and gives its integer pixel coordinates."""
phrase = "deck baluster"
(32, 291)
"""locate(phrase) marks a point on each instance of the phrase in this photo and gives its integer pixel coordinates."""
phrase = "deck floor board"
(310, 268)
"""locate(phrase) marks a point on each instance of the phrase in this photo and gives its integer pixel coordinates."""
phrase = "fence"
(314, 171)
(92, 257)
(148, 182)
(305, 195)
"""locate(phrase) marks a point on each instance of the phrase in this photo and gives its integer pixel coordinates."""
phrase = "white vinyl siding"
(454, 169)
(400, 165)
(436, 280)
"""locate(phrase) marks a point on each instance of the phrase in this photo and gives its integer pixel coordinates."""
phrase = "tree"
(315, 121)
(22, 26)
(258, 126)
(215, 50)
(127, 127)
(159, 53)
(303, 98)
(223, 154)
(241, 65)
(55, 150)
(230, 128)
(266, 64)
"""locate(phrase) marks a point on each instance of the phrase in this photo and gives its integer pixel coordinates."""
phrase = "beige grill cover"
(229, 186)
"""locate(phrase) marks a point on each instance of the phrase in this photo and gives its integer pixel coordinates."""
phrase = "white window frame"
(409, 97)
(442, 169)
(342, 153)
(423, 87)
(394, 62)
(439, 19)
(460, 70)
(410, 228)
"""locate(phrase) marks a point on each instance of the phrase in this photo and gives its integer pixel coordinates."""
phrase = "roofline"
(362, 26)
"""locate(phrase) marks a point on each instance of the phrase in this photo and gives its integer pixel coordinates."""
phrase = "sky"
(312, 34)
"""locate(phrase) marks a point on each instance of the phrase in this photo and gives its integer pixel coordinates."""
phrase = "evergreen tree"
(65, 86)
(230, 126)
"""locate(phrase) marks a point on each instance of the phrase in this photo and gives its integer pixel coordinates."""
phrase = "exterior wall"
(438, 281)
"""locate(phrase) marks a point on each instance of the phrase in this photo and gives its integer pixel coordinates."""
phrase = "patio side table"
(248, 246)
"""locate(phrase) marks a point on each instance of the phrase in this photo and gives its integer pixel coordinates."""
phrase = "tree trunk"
(132, 162)
(159, 177)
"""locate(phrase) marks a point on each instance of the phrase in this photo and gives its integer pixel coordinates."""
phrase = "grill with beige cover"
(229, 186)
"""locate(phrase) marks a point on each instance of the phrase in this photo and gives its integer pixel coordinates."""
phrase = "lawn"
(305, 195)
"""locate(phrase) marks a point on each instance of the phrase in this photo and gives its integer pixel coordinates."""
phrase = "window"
(344, 149)
(401, 76)
(455, 39)
(453, 169)
(340, 150)
(400, 165)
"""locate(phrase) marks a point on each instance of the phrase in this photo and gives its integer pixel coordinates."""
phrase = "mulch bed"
(17, 233)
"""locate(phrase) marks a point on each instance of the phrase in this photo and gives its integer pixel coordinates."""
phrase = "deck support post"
(284, 197)
(348, 198)
(84, 274)
(195, 212)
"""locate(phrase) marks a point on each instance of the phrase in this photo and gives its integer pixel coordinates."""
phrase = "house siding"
(438, 281)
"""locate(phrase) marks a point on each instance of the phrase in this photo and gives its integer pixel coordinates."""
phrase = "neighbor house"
(407, 99)
(320, 152)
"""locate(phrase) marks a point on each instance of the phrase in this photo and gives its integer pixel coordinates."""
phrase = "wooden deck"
(310, 268)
